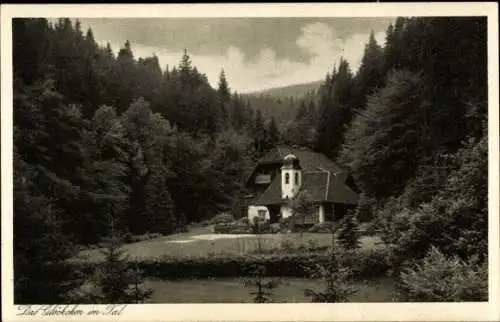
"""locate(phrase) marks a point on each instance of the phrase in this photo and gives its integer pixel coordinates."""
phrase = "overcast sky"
(256, 53)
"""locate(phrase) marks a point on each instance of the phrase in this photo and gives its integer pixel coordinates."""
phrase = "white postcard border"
(262, 312)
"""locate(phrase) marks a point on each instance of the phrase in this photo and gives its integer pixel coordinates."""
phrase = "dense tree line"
(98, 135)
(410, 125)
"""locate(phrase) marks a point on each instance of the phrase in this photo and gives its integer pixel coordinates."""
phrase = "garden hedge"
(363, 263)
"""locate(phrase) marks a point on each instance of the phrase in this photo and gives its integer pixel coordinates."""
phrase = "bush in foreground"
(438, 278)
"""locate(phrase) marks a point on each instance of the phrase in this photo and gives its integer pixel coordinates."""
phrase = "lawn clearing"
(201, 242)
(231, 290)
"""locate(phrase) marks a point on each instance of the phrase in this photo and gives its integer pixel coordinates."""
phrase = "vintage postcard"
(250, 162)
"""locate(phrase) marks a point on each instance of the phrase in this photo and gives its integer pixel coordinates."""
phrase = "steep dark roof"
(339, 192)
(320, 185)
(309, 160)
(272, 195)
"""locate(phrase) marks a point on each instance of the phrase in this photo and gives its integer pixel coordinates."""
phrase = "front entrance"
(342, 210)
(274, 213)
(329, 212)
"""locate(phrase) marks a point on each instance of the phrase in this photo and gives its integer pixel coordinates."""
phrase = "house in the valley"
(286, 172)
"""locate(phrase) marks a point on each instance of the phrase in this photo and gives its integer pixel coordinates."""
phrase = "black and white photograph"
(251, 160)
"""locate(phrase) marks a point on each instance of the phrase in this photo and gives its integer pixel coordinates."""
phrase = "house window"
(262, 214)
(263, 178)
(287, 178)
(296, 178)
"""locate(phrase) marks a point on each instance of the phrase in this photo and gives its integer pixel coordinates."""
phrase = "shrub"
(288, 222)
(231, 228)
(222, 218)
(300, 228)
(244, 221)
(129, 238)
(443, 279)
(365, 263)
(324, 227)
(182, 229)
(365, 212)
(277, 228)
(203, 223)
(260, 226)
(459, 209)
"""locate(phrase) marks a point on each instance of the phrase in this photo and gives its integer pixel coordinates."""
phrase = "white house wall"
(321, 213)
(286, 211)
(288, 191)
(253, 211)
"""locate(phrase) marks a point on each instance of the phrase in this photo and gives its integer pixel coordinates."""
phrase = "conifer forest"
(113, 151)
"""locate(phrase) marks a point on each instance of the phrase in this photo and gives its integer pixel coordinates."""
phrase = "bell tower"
(291, 177)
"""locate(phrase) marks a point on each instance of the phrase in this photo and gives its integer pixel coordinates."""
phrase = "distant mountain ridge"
(295, 90)
(281, 103)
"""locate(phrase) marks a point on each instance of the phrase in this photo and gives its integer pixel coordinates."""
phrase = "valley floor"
(201, 241)
(231, 290)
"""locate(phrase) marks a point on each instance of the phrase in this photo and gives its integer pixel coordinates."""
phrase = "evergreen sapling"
(260, 287)
(119, 283)
(349, 233)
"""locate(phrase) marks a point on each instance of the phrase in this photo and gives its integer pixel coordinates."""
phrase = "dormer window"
(263, 178)
(287, 178)
(296, 178)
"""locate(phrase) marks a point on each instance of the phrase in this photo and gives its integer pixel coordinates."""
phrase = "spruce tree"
(338, 286)
(224, 96)
(337, 277)
(301, 111)
(261, 287)
(273, 134)
(42, 274)
(335, 109)
(259, 132)
(349, 233)
(118, 281)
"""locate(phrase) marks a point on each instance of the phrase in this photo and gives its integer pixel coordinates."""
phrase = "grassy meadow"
(200, 242)
(231, 290)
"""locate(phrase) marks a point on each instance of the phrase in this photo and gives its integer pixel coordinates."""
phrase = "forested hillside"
(296, 90)
(282, 110)
(411, 125)
(99, 137)
(282, 103)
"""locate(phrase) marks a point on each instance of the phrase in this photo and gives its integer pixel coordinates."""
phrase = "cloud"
(212, 36)
(267, 69)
